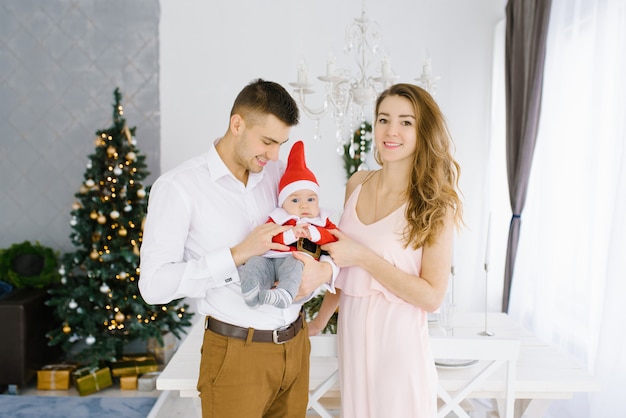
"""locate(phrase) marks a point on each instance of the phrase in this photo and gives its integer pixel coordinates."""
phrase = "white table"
(543, 372)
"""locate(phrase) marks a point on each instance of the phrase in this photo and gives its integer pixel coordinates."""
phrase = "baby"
(298, 206)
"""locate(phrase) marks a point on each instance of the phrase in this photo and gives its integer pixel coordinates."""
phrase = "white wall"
(210, 49)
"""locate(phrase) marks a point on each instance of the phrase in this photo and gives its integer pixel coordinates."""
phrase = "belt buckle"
(275, 334)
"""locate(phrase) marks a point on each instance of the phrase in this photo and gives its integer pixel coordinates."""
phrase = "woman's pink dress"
(385, 361)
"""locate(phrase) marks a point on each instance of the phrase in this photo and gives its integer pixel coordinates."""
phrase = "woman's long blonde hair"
(434, 178)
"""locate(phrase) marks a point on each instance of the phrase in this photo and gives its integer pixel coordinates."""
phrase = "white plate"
(454, 364)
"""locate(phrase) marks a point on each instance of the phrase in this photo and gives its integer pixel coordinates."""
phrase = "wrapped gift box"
(55, 376)
(147, 382)
(128, 382)
(134, 364)
(91, 380)
(162, 353)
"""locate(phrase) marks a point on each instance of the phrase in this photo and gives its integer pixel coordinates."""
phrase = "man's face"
(260, 142)
(302, 203)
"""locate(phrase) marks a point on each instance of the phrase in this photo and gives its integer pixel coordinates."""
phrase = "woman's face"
(395, 131)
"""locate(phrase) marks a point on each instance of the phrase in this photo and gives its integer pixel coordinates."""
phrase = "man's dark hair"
(262, 97)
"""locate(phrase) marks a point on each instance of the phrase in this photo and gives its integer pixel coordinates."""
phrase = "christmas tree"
(97, 302)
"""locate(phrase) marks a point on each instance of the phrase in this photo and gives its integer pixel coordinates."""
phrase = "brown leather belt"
(277, 336)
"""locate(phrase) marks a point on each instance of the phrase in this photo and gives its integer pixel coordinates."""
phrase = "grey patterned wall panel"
(60, 61)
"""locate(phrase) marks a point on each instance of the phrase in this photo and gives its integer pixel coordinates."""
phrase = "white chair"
(493, 355)
(324, 369)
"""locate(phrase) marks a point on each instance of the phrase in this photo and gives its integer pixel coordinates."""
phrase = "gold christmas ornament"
(111, 150)
(66, 329)
(93, 215)
(141, 193)
(94, 255)
(102, 219)
(122, 232)
(119, 317)
(95, 237)
(76, 205)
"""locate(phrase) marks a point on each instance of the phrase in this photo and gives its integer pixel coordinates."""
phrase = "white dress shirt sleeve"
(169, 268)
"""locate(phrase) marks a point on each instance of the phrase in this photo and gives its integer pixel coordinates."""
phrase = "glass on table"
(445, 318)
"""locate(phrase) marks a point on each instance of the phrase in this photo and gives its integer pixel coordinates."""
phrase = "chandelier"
(349, 95)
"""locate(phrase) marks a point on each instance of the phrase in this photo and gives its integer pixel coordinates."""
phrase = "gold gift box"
(128, 382)
(91, 380)
(134, 364)
(55, 376)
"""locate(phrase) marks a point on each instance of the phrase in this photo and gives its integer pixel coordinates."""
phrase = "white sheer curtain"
(569, 284)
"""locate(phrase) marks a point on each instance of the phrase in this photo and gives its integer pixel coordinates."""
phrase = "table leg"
(198, 404)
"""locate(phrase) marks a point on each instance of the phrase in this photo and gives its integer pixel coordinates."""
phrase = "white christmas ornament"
(117, 171)
(90, 183)
(114, 214)
(141, 193)
(105, 288)
(72, 304)
(90, 340)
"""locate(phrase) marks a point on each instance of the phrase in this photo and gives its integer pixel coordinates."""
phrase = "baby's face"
(302, 203)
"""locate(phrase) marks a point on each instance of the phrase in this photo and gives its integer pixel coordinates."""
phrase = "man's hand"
(315, 274)
(258, 242)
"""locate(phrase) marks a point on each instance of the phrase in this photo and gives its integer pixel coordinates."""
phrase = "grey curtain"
(525, 48)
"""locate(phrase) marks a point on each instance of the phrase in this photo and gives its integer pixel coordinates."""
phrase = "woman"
(394, 249)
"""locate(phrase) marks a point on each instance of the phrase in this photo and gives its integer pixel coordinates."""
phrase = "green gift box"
(91, 380)
(134, 364)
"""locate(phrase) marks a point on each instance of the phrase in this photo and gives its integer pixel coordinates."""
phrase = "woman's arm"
(327, 309)
(426, 290)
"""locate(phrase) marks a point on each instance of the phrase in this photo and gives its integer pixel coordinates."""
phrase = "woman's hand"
(345, 252)
(314, 329)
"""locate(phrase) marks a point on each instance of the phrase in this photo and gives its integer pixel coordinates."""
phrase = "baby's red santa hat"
(297, 176)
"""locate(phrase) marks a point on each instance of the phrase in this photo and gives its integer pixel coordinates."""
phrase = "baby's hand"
(301, 231)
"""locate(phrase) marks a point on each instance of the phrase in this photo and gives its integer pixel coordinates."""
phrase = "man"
(206, 218)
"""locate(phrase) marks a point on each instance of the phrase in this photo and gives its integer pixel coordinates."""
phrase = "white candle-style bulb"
(487, 247)
(330, 65)
(302, 74)
(427, 68)
(386, 68)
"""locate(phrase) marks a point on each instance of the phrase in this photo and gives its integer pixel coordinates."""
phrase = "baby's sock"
(277, 297)
(251, 296)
